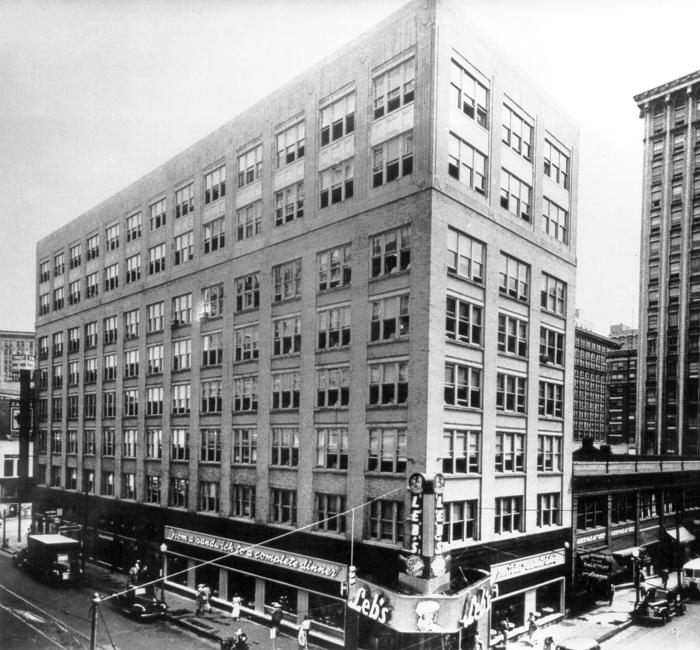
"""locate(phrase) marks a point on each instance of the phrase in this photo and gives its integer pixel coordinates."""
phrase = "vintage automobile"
(55, 559)
(691, 577)
(578, 643)
(141, 603)
(658, 607)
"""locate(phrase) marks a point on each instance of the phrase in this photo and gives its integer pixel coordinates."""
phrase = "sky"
(97, 93)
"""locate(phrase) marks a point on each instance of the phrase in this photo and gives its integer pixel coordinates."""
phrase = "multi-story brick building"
(591, 386)
(15, 347)
(368, 274)
(622, 388)
(668, 398)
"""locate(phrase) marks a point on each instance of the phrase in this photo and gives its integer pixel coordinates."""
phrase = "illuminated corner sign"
(283, 559)
(476, 605)
(374, 606)
(530, 564)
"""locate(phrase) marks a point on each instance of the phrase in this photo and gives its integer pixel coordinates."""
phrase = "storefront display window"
(282, 594)
(243, 585)
(207, 575)
(177, 565)
(510, 607)
(548, 599)
(327, 611)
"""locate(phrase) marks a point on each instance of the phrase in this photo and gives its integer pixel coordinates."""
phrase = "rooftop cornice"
(670, 86)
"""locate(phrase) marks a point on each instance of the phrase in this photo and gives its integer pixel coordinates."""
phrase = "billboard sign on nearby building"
(525, 565)
(256, 553)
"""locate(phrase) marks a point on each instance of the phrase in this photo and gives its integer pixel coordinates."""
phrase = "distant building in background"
(668, 400)
(590, 384)
(622, 388)
(14, 346)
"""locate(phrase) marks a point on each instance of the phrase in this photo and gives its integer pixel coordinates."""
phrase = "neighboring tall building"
(15, 348)
(622, 388)
(591, 386)
(668, 399)
(368, 274)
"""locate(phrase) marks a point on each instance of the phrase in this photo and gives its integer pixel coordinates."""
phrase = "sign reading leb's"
(292, 561)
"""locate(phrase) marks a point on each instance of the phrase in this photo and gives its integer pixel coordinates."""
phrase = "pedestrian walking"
(302, 639)
(611, 593)
(503, 627)
(134, 572)
(664, 578)
(199, 600)
(236, 602)
(275, 622)
(207, 597)
(531, 627)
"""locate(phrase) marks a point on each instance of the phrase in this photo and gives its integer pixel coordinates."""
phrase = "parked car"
(141, 603)
(691, 577)
(578, 643)
(658, 606)
(52, 558)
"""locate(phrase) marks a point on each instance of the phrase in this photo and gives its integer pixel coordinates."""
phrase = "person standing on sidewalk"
(236, 602)
(611, 593)
(664, 578)
(531, 627)
(275, 622)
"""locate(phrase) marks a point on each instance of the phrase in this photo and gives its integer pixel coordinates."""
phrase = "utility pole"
(679, 512)
(93, 621)
(24, 420)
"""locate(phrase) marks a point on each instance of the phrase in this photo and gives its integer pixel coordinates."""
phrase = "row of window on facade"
(461, 448)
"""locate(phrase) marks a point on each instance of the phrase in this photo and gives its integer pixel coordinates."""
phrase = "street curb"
(611, 633)
(192, 628)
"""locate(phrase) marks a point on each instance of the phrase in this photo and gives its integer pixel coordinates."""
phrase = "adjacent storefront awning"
(681, 534)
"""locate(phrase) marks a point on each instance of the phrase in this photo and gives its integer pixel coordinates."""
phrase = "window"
(90, 335)
(246, 344)
(131, 402)
(154, 314)
(469, 95)
(285, 390)
(210, 450)
(392, 159)
(286, 337)
(43, 348)
(111, 277)
(129, 443)
(42, 407)
(57, 377)
(556, 164)
(463, 321)
(90, 370)
(154, 400)
(214, 235)
(508, 514)
(184, 201)
(289, 204)
(245, 446)
(212, 348)
(249, 221)
(548, 509)
(44, 271)
(510, 456)
(57, 344)
(179, 444)
(622, 508)
(394, 88)
(338, 119)
(74, 292)
(517, 133)
(89, 442)
(215, 185)
(182, 309)
(107, 484)
(182, 354)
(334, 267)
(286, 281)
(154, 443)
(248, 292)
(56, 441)
(514, 278)
(156, 259)
(43, 379)
(109, 404)
(555, 221)
(387, 450)
(108, 442)
(516, 195)
(208, 496)
(75, 254)
(551, 399)
(283, 508)
(178, 493)
(553, 296)
(133, 268)
(92, 282)
(184, 247)
(41, 441)
(329, 511)
(109, 367)
(56, 409)
(386, 521)
(551, 346)
(58, 299)
(250, 166)
(245, 393)
(460, 450)
(337, 183)
(389, 318)
(290, 144)
(44, 305)
(73, 373)
(243, 501)
(333, 387)
(112, 237)
(213, 301)
(110, 329)
(285, 447)
(131, 324)
(333, 328)
(467, 164)
(388, 383)
(512, 335)
(181, 399)
(510, 393)
(133, 227)
(332, 448)
(390, 252)
(93, 248)
(210, 391)
(462, 385)
(460, 522)
(152, 488)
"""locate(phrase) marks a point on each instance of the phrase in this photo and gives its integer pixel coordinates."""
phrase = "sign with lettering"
(530, 564)
(616, 532)
(590, 537)
(283, 559)
(476, 605)
(373, 605)
(415, 518)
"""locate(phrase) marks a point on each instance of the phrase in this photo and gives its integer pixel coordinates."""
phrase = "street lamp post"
(635, 562)
(163, 551)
